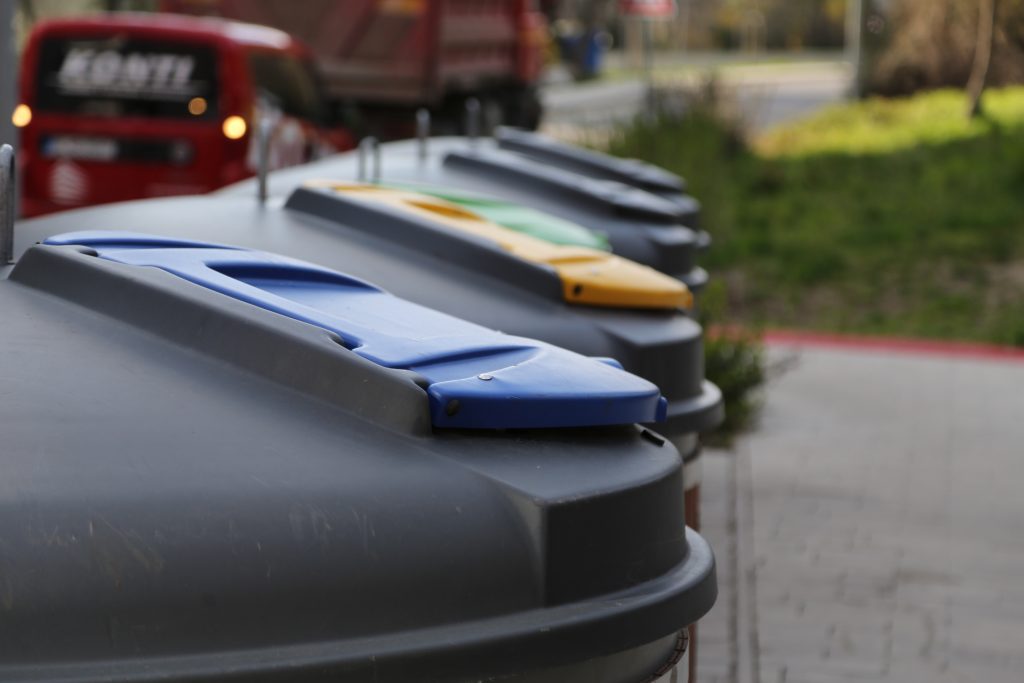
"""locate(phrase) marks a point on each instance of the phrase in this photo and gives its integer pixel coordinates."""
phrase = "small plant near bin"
(734, 360)
(698, 130)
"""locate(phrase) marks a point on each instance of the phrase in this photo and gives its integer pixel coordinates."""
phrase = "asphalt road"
(763, 95)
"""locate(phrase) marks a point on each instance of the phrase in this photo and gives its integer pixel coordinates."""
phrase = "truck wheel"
(523, 108)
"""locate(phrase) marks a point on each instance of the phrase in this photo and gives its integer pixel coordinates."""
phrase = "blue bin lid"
(475, 377)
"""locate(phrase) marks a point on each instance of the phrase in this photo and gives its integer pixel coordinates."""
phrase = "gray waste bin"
(640, 226)
(223, 464)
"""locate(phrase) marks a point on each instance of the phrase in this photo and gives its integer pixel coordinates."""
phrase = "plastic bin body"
(663, 346)
(639, 225)
(224, 489)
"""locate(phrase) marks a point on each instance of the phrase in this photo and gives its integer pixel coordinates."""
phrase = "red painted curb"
(929, 347)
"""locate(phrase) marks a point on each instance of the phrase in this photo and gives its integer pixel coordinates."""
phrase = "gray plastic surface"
(640, 226)
(197, 489)
(589, 162)
(594, 164)
(664, 347)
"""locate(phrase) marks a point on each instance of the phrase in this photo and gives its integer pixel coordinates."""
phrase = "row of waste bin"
(431, 411)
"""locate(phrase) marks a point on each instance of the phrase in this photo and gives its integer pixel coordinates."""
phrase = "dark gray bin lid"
(640, 226)
(474, 377)
(589, 162)
(594, 164)
(435, 267)
(197, 489)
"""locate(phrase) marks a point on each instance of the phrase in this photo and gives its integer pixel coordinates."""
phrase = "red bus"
(123, 106)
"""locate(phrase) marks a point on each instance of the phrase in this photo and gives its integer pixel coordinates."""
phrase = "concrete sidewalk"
(872, 528)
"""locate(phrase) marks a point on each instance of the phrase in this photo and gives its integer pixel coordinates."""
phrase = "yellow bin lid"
(588, 276)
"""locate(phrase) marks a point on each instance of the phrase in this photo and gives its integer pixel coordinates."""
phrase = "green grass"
(884, 126)
(880, 217)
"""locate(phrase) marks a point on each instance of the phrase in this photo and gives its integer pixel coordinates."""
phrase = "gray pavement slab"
(717, 657)
(885, 533)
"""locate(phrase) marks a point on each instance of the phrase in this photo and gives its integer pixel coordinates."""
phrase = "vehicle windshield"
(125, 76)
(290, 81)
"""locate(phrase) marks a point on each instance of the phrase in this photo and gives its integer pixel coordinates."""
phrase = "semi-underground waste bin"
(643, 226)
(594, 164)
(588, 277)
(632, 172)
(576, 160)
(222, 464)
(638, 225)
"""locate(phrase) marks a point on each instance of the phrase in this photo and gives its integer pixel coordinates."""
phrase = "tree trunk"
(856, 11)
(982, 56)
(28, 8)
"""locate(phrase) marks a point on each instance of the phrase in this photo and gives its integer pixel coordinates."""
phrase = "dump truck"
(381, 60)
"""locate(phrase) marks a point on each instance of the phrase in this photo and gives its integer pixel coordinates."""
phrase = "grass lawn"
(879, 217)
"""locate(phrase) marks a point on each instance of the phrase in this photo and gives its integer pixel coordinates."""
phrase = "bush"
(733, 358)
(879, 217)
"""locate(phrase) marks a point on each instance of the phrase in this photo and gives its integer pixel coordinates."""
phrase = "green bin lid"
(517, 217)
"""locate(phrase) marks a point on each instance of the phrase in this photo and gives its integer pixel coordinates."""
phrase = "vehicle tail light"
(234, 127)
(22, 115)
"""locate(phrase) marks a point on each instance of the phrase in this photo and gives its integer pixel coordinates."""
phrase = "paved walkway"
(872, 528)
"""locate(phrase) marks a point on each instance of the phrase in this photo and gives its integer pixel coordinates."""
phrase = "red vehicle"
(386, 58)
(122, 106)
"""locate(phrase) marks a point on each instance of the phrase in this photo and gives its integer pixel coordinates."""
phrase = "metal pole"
(8, 73)
(855, 10)
(263, 149)
(361, 177)
(376, 160)
(422, 131)
(473, 119)
(648, 65)
(684, 9)
(7, 198)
